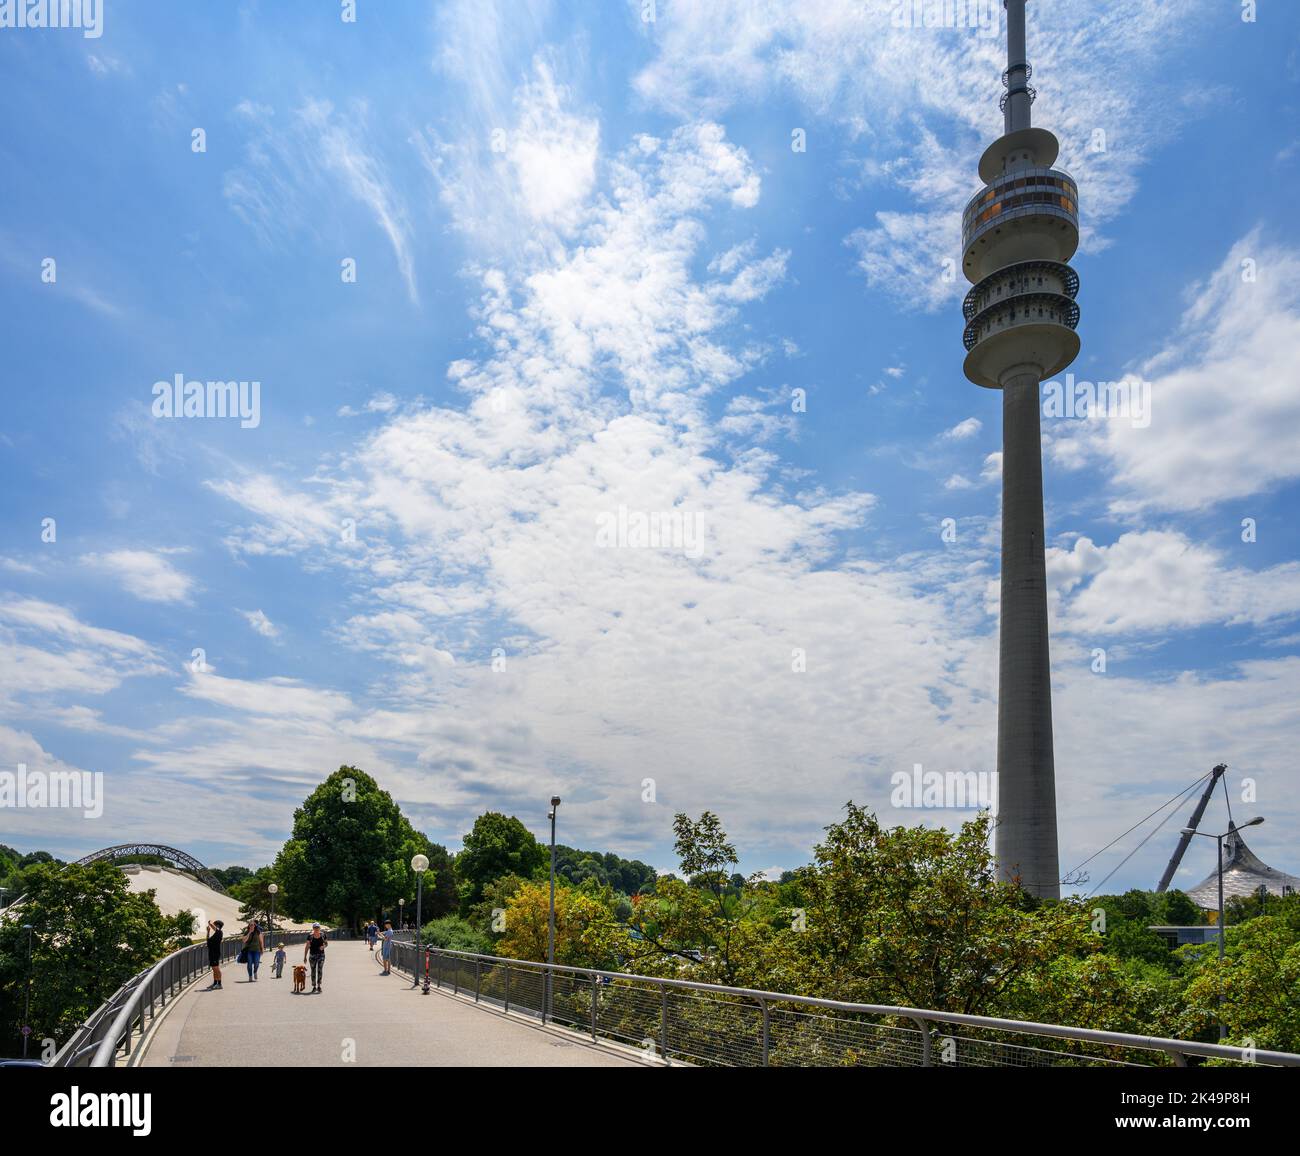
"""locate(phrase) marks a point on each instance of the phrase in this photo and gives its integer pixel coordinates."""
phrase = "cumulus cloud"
(1224, 390)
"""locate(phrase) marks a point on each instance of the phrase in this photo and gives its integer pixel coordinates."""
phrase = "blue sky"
(591, 273)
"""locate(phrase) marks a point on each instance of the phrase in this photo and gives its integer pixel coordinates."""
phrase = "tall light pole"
(274, 889)
(419, 864)
(1255, 822)
(401, 914)
(27, 1006)
(550, 929)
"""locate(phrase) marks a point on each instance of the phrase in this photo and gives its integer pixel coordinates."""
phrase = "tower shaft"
(1026, 831)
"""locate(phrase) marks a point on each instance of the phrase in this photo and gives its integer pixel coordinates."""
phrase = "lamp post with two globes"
(419, 864)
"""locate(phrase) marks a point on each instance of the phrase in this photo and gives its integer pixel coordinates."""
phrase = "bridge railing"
(115, 1028)
(709, 1024)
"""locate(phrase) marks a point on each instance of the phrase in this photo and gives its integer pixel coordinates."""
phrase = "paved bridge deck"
(360, 1018)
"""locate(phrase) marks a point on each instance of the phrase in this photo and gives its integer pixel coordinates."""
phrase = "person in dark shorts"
(313, 952)
(215, 935)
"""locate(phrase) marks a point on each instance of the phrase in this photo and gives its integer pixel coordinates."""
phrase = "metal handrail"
(924, 1018)
(110, 1028)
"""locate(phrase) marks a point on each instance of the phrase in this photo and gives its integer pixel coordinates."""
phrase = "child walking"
(278, 961)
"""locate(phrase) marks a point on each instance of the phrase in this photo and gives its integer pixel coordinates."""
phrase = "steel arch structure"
(180, 858)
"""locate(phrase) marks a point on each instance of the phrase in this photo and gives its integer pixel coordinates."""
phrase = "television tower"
(1017, 235)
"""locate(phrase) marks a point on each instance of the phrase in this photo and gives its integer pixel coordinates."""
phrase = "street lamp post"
(1255, 822)
(550, 928)
(401, 915)
(419, 864)
(274, 889)
(27, 1005)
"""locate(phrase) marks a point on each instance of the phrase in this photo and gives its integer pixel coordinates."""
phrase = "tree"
(587, 934)
(1178, 910)
(254, 894)
(1258, 981)
(350, 852)
(917, 916)
(441, 894)
(496, 846)
(91, 934)
(705, 924)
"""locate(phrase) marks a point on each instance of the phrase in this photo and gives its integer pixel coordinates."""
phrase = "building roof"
(1243, 875)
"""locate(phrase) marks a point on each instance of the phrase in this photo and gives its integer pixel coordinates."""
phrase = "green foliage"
(496, 846)
(708, 924)
(1258, 980)
(917, 916)
(91, 934)
(456, 934)
(253, 892)
(586, 932)
(1178, 910)
(230, 877)
(627, 876)
(350, 853)
(1150, 908)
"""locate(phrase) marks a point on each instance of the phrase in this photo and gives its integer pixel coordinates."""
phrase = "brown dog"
(299, 977)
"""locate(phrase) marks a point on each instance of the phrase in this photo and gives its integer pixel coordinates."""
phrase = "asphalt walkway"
(360, 1017)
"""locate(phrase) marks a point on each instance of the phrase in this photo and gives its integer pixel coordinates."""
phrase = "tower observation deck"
(1018, 235)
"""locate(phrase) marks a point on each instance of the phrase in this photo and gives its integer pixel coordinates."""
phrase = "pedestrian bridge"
(476, 1010)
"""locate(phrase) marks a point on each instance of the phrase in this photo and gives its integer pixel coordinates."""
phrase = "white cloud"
(290, 164)
(382, 402)
(259, 622)
(923, 127)
(964, 429)
(146, 574)
(1225, 394)
(1159, 580)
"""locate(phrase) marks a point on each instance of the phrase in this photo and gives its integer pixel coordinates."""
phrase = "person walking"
(253, 945)
(387, 948)
(313, 952)
(372, 933)
(214, 952)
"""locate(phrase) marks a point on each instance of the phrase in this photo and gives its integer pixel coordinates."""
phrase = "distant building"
(1181, 936)
(1243, 875)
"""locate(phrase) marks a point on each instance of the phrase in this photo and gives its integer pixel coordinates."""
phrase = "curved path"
(360, 1018)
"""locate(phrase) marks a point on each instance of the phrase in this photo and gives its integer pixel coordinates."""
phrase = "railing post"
(663, 1022)
(595, 989)
(507, 1000)
(478, 978)
(767, 1031)
(923, 1025)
